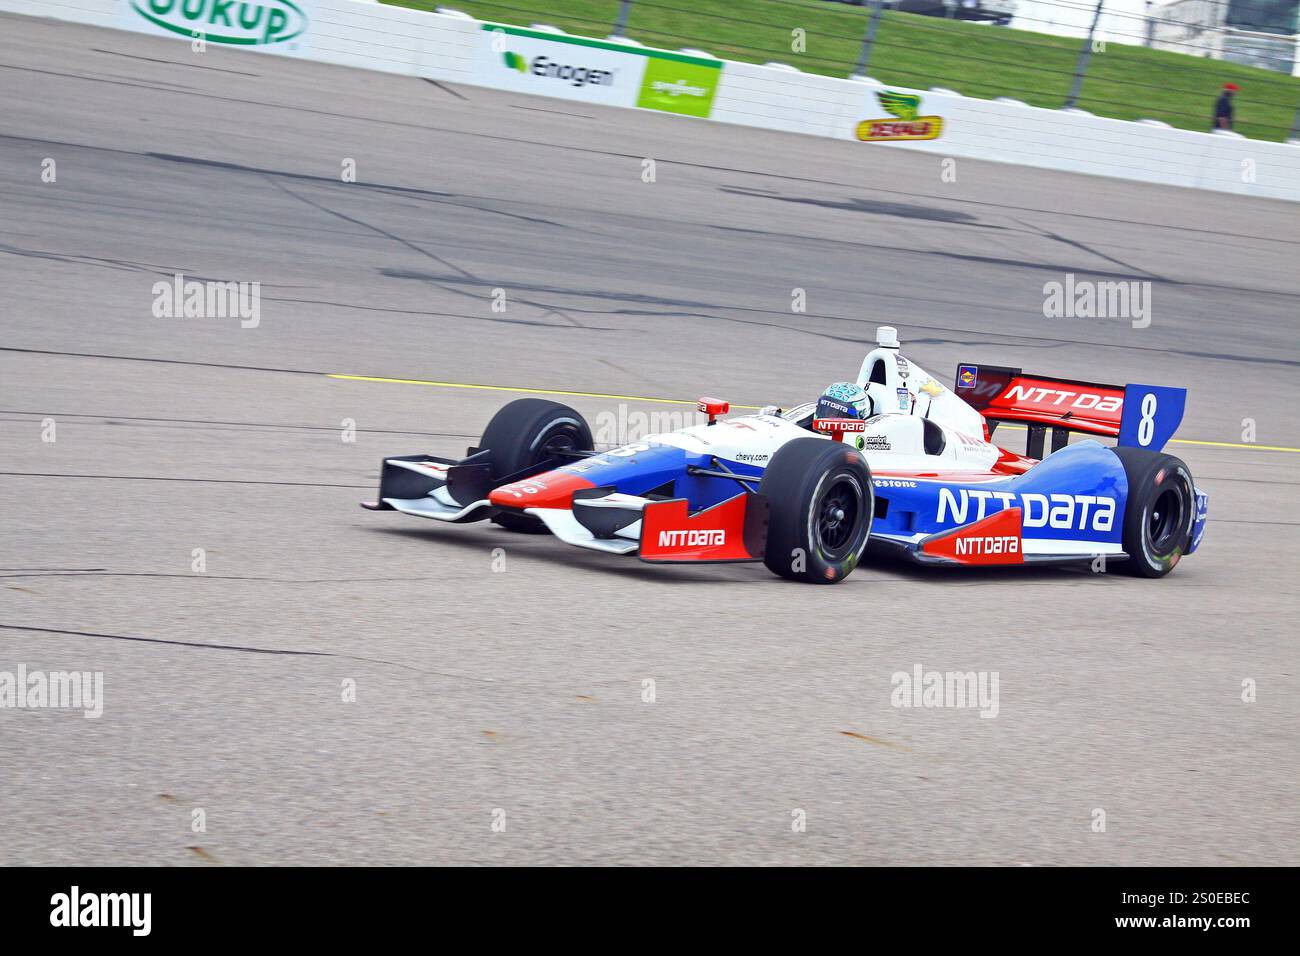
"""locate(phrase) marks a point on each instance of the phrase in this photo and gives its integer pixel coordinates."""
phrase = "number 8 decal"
(1147, 426)
(1151, 415)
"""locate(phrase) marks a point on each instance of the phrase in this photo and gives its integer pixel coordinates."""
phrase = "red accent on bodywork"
(670, 533)
(963, 476)
(995, 540)
(836, 427)
(1079, 406)
(1009, 463)
(551, 489)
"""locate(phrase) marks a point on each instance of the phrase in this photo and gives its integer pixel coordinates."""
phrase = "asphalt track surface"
(521, 689)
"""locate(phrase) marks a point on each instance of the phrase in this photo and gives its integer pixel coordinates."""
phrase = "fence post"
(1295, 125)
(877, 8)
(624, 7)
(1082, 66)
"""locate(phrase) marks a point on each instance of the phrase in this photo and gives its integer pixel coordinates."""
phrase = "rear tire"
(1159, 513)
(524, 433)
(822, 506)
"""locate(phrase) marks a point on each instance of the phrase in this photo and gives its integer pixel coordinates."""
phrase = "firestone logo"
(693, 539)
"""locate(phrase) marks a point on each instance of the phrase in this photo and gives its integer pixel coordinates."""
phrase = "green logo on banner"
(243, 22)
(677, 87)
(906, 106)
(516, 62)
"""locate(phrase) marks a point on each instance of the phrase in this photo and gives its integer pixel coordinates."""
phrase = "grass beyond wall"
(1125, 82)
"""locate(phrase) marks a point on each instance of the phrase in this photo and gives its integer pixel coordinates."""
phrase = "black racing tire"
(520, 435)
(1159, 514)
(822, 507)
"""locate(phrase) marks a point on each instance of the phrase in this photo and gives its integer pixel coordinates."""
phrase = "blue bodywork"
(1077, 472)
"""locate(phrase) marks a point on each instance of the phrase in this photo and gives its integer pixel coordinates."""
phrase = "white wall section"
(369, 35)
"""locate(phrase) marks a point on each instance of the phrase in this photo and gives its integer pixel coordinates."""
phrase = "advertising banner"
(278, 26)
(902, 120)
(679, 86)
(594, 71)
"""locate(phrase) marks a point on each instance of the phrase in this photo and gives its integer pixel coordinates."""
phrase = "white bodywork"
(894, 438)
(890, 442)
(926, 395)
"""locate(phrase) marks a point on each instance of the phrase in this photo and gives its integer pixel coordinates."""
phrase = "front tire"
(822, 506)
(1159, 513)
(525, 433)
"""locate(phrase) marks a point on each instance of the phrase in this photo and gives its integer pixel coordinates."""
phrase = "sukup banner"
(280, 26)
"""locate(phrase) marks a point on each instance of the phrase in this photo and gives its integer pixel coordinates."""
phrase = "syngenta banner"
(595, 71)
(679, 86)
(278, 25)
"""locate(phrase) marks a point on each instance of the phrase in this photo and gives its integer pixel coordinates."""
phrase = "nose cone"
(551, 489)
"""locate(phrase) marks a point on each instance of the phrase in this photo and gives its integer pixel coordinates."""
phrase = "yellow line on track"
(528, 391)
(1232, 444)
(679, 401)
(1193, 441)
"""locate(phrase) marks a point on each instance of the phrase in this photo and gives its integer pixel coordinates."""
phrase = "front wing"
(662, 530)
(597, 518)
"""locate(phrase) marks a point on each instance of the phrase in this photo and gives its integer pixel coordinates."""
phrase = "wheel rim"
(1165, 520)
(838, 511)
(565, 438)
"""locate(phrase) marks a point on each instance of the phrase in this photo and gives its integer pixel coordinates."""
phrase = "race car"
(895, 460)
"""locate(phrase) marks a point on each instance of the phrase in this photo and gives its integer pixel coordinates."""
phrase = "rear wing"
(1139, 416)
